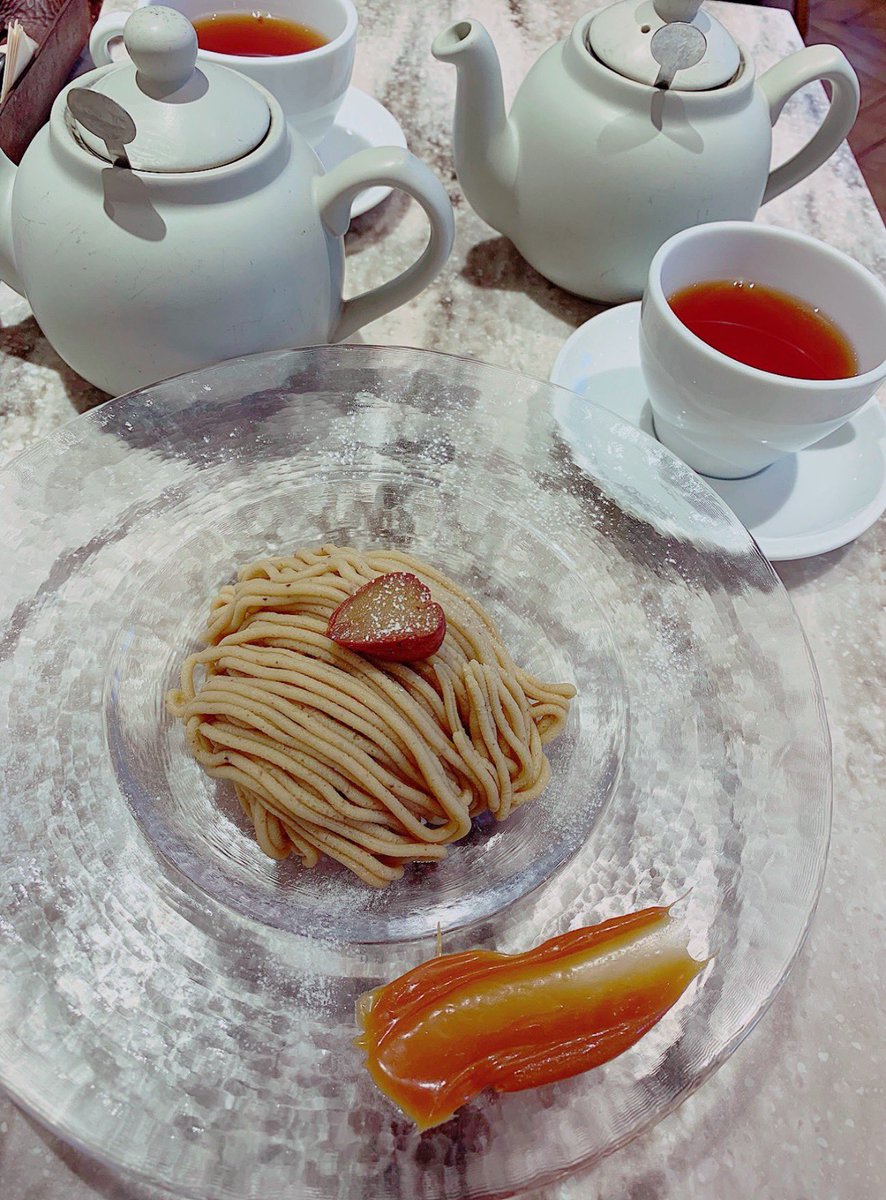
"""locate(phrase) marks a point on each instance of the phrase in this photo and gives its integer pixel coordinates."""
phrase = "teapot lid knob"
(677, 10)
(163, 45)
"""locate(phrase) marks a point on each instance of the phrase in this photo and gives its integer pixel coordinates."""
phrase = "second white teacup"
(729, 420)
(310, 86)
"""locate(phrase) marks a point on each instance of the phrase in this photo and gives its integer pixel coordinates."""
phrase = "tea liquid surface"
(255, 35)
(765, 328)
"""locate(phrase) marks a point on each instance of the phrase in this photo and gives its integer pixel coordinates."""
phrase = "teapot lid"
(186, 118)
(664, 43)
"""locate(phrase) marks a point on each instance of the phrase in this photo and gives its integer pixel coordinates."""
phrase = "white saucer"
(360, 122)
(804, 504)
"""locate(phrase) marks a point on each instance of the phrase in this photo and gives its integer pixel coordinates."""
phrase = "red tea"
(765, 328)
(255, 35)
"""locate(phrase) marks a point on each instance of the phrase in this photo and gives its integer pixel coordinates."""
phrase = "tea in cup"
(302, 51)
(756, 342)
(255, 35)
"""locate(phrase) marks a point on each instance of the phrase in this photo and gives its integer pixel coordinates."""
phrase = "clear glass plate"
(182, 1008)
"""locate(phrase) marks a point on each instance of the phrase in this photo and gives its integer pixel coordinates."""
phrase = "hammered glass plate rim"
(103, 416)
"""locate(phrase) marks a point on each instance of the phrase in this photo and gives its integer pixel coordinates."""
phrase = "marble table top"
(797, 1112)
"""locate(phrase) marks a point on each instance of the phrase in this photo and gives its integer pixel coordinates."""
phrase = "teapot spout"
(485, 142)
(8, 269)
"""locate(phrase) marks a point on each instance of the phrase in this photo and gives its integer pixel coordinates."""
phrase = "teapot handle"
(389, 166)
(781, 81)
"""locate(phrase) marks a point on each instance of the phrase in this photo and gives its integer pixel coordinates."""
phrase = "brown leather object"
(61, 27)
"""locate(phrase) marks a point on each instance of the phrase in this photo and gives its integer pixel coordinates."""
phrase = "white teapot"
(166, 218)
(645, 120)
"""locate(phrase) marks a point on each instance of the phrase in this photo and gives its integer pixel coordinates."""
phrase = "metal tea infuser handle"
(678, 44)
(104, 118)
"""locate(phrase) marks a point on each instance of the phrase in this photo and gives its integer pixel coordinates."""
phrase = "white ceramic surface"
(310, 86)
(611, 143)
(624, 38)
(362, 122)
(185, 120)
(729, 420)
(191, 267)
(805, 504)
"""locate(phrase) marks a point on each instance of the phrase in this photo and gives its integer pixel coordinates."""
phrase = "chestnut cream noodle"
(374, 764)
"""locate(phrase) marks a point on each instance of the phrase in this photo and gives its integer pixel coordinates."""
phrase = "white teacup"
(309, 86)
(729, 420)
